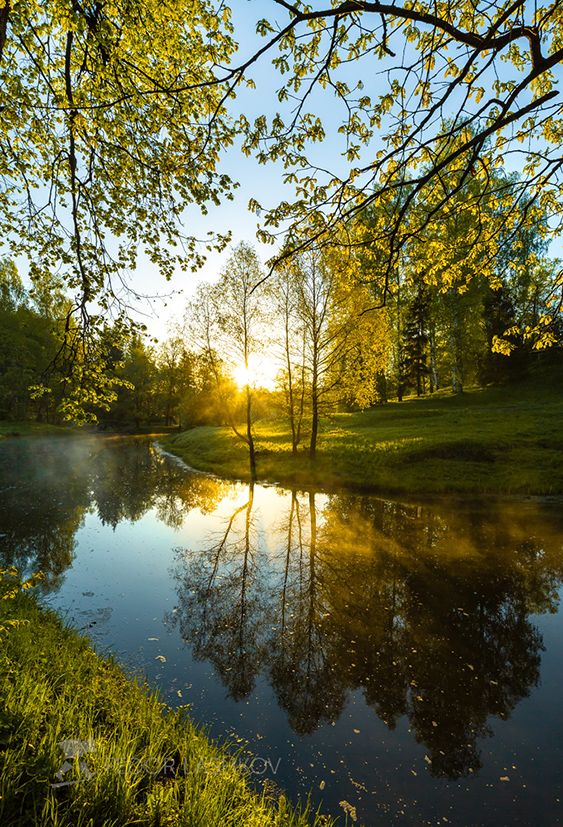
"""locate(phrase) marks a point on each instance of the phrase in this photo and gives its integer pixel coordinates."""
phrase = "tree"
(489, 66)
(499, 315)
(12, 292)
(343, 345)
(227, 320)
(175, 374)
(534, 289)
(17, 347)
(137, 398)
(201, 331)
(112, 123)
(114, 117)
(291, 346)
(416, 340)
(464, 272)
(241, 320)
(29, 341)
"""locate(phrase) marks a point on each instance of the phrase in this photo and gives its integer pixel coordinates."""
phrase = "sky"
(263, 182)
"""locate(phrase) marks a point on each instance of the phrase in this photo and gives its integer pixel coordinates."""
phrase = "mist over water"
(401, 661)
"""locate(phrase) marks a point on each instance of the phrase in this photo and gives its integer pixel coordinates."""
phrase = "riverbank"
(33, 429)
(485, 441)
(131, 759)
(27, 429)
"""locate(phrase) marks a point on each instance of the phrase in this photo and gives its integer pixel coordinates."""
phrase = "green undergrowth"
(26, 429)
(32, 429)
(54, 688)
(504, 440)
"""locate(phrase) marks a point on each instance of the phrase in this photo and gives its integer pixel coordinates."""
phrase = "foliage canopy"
(111, 125)
(447, 91)
(114, 116)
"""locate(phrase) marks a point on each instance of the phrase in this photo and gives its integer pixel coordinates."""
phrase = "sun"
(261, 373)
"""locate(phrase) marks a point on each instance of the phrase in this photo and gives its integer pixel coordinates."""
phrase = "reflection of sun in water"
(261, 373)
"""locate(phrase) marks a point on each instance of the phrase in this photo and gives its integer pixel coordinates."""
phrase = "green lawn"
(495, 441)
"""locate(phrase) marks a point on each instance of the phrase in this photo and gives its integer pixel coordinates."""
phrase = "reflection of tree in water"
(222, 609)
(43, 500)
(130, 478)
(307, 685)
(425, 610)
(445, 600)
(47, 486)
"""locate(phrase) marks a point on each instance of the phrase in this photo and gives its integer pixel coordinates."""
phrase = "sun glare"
(261, 373)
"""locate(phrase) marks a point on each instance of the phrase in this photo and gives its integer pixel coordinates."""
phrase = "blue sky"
(263, 182)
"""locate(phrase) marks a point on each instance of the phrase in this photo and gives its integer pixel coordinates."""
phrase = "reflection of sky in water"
(429, 616)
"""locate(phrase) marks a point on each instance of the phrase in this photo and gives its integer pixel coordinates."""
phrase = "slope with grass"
(506, 440)
(145, 764)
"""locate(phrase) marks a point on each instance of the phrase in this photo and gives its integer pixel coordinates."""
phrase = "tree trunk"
(433, 367)
(251, 450)
(452, 354)
(453, 348)
(4, 15)
(315, 408)
(314, 427)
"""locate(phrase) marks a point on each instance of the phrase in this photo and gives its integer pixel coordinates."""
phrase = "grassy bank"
(149, 765)
(505, 440)
(11, 429)
(31, 429)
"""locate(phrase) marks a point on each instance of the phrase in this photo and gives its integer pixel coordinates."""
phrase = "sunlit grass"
(54, 687)
(484, 441)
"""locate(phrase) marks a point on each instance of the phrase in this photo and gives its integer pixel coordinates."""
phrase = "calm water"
(403, 660)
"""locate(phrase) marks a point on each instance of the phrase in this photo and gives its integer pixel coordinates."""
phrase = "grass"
(30, 429)
(54, 687)
(11, 429)
(506, 440)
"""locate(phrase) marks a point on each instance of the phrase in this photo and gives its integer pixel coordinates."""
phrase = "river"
(400, 661)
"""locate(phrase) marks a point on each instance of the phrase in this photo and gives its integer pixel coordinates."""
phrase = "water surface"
(401, 661)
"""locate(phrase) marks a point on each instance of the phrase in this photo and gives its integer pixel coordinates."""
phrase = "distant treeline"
(429, 337)
(444, 337)
(30, 342)
(166, 383)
